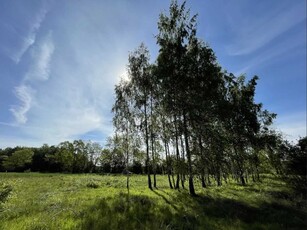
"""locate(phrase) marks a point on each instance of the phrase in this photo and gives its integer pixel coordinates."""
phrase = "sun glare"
(124, 75)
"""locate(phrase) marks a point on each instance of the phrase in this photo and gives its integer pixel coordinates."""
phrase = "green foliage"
(112, 158)
(206, 119)
(19, 160)
(77, 156)
(296, 167)
(65, 159)
(297, 158)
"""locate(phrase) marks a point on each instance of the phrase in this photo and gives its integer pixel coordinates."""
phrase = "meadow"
(89, 201)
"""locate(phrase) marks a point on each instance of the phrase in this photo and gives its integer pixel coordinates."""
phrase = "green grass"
(65, 201)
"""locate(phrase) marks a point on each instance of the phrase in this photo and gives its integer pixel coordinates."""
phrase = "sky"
(60, 60)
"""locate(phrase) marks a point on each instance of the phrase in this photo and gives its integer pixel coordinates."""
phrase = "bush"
(92, 184)
(137, 167)
(296, 167)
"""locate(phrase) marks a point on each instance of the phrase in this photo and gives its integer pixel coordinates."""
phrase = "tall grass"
(65, 201)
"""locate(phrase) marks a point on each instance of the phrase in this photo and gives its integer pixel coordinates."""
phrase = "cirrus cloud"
(25, 94)
(30, 38)
(41, 55)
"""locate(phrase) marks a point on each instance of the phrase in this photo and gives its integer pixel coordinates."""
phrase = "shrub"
(296, 167)
(92, 184)
(5, 191)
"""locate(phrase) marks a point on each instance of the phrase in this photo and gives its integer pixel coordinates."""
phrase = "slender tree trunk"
(147, 149)
(202, 177)
(186, 138)
(257, 172)
(127, 155)
(166, 146)
(167, 164)
(241, 174)
(242, 180)
(183, 162)
(173, 179)
(127, 161)
(218, 177)
(208, 177)
(155, 181)
(240, 165)
(225, 178)
(169, 181)
(153, 159)
(253, 177)
(177, 152)
(152, 143)
(203, 182)
(182, 180)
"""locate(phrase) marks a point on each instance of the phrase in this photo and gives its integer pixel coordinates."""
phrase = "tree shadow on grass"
(181, 211)
(165, 199)
(134, 212)
(267, 215)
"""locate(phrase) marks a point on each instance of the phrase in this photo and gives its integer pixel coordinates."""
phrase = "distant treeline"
(279, 157)
(71, 157)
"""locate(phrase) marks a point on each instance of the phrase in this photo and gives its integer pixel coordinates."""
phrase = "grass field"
(65, 201)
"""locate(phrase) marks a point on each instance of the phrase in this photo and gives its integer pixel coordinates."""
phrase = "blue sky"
(60, 60)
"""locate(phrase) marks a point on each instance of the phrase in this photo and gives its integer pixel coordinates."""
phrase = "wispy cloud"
(65, 113)
(8, 124)
(293, 126)
(252, 35)
(25, 94)
(279, 51)
(30, 38)
(73, 71)
(40, 68)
